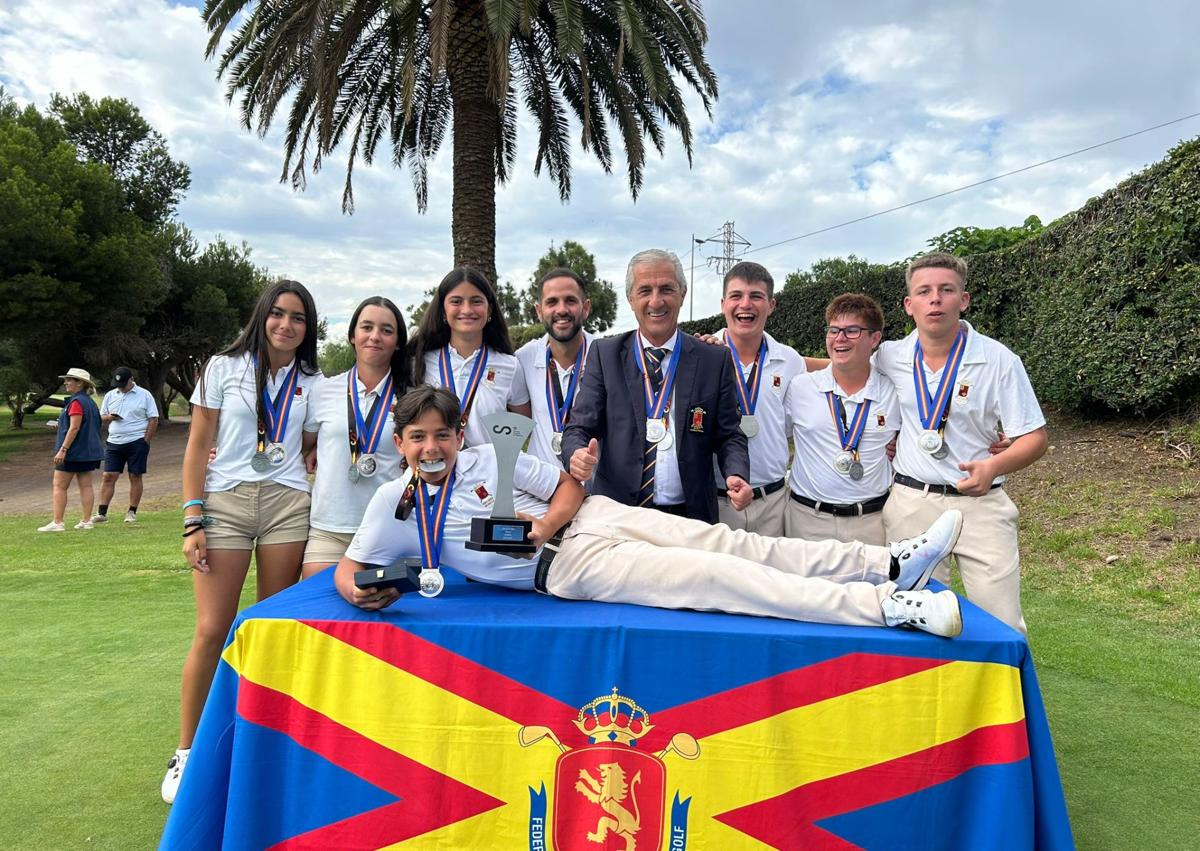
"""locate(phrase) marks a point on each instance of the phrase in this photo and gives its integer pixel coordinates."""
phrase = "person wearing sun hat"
(77, 448)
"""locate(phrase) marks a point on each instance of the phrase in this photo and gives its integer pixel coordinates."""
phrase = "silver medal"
(842, 462)
(259, 462)
(656, 430)
(668, 439)
(367, 466)
(749, 425)
(856, 471)
(352, 474)
(942, 451)
(431, 581)
(276, 454)
(930, 441)
(556, 443)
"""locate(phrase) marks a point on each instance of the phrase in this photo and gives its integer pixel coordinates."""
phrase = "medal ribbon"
(658, 404)
(848, 437)
(559, 415)
(275, 413)
(372, 428)
(932, 410)
(747, 396)
(431, 521)
(447, 373)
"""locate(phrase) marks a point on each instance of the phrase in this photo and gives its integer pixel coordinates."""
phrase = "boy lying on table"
(598, 549)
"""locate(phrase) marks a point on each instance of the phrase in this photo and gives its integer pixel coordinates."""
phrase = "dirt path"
(25, 476)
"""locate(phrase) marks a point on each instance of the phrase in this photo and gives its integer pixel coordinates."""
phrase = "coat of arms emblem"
(609, 794)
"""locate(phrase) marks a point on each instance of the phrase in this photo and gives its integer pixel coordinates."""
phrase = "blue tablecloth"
(498, 719)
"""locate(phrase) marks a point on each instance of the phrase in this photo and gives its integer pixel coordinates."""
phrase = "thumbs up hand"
(583, 461)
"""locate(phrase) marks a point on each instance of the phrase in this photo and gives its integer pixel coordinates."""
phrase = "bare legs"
(218, 593)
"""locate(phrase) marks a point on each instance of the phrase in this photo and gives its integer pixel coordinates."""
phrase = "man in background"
(132, 418)
(552, 365)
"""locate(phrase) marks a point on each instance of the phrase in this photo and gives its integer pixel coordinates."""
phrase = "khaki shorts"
(326, 547)
(262, 512)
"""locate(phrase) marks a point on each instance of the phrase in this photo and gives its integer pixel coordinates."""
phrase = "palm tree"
(403, 70)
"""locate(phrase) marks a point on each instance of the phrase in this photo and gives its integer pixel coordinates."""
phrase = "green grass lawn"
(13, 440)
(95, 627)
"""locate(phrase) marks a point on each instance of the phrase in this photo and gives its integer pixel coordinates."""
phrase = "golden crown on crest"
(624, 722)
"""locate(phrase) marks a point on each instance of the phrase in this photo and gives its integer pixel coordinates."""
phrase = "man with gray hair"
(656, 407)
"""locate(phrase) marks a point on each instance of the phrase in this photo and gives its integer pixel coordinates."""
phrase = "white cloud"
(827, 113)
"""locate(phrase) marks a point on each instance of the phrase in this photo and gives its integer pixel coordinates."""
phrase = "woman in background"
(462, 344)
(349, 422)
(77, 449)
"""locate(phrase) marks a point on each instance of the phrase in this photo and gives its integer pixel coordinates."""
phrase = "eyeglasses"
(852, 332)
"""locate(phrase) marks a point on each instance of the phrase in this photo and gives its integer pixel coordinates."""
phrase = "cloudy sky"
(828, 111)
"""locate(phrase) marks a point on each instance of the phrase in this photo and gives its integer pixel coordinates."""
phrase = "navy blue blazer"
(610, 406)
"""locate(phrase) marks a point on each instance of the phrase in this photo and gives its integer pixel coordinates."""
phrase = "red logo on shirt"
(490, 378)
(481, 491)
(777, 381)
(697, 419)
(963, 390)
(299, 390)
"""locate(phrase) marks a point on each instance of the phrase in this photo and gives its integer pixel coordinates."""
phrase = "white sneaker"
(84, 524)
(130, 516)
(52, 526)
(99, 518)
(938, 613)
(175, 766)
(918, 557)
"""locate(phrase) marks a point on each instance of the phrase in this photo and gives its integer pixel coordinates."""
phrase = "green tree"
(579, 260)
(965, 241)
(336, 357)
(402, 72)
(210, 296)
(113, 132)
(77, 270)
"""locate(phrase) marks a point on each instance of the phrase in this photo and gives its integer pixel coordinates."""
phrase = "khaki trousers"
(801, 521)
(620, 554)
(763, 516)
(987, 555)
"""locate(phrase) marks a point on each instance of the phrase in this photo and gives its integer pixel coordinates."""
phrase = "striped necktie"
(650, 453)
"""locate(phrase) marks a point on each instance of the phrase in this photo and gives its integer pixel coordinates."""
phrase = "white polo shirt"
(136, 408)
(500, 386)
(991, 388)
(337, 503)
(769, 448)
(229, 387)
(381, 539)
(816, 441)
(532, 358)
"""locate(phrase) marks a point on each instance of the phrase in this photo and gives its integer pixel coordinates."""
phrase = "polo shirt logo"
(881, 421)
(964, 390)
(481, 492)
(490, 378)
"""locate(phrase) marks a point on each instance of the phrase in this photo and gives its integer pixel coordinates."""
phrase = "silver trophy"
(503, 532)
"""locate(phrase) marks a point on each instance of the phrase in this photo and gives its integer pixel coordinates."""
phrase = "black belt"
(944, 490)
(855, 509)
(679, 509)
(759, 493)
(549, 551)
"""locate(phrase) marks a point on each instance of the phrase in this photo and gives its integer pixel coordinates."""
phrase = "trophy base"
(501, 535)
(401, 575)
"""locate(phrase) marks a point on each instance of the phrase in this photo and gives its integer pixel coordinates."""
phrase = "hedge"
(1103, 305)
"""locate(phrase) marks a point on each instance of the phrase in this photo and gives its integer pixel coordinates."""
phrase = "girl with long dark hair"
(348, 430)
(462, 344)
(251, 400)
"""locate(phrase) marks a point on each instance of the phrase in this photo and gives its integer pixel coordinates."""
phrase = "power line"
(972, 185)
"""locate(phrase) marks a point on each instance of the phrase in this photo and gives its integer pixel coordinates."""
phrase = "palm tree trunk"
(476, 123)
